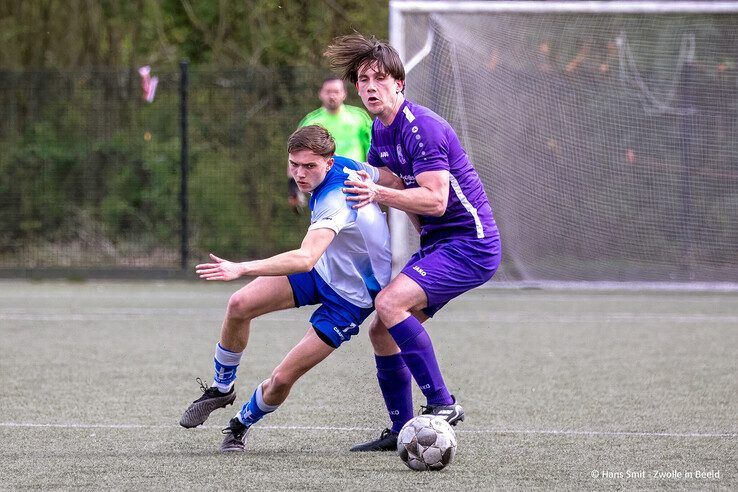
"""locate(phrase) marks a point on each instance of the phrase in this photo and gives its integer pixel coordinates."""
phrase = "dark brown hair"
(314, 138)
(347, 54)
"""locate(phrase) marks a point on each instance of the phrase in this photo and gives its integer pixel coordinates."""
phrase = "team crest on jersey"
(400, 156)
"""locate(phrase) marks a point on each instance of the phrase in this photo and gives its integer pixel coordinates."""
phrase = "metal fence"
(91, 175)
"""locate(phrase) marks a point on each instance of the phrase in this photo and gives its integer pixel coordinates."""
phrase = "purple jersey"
(418, 140)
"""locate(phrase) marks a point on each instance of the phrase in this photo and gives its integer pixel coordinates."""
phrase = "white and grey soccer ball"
(426, 442)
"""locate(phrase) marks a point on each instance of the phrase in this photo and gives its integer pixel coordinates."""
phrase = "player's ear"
(329, 163)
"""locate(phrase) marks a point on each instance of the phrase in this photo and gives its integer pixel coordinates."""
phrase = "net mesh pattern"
(606, 143)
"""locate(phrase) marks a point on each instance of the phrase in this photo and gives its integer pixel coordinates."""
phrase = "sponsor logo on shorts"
(420, 271)
(384, 155)
(342, 331)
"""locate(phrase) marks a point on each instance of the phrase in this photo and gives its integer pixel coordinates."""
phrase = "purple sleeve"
(427, 145)
(373, 158)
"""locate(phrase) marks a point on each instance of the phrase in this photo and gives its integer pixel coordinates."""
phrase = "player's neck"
(388, 118)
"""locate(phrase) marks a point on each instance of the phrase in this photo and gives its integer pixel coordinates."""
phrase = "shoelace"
(207, 391)
(230, 430)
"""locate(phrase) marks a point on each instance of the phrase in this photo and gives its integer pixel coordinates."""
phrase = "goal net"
(606, 133)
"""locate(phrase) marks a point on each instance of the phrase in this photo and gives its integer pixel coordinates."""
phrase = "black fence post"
(184, 165)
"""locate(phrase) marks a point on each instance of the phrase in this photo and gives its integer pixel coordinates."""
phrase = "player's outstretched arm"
(313, 246)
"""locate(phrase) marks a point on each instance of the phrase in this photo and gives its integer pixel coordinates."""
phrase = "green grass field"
(562, 389)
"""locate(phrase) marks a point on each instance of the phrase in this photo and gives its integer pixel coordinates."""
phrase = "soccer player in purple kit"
(459, 239)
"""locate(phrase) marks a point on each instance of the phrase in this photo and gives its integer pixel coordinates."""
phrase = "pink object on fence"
(148, 83)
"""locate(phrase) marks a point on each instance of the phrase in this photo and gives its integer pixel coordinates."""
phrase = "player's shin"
(417, 352)
(255, 409)
(395, 382)
(226, 362)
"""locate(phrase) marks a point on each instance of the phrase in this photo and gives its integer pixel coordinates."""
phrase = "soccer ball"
(426, 442)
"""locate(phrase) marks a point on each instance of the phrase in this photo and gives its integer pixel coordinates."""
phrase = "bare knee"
(377, 333)
(239, 307)
(382, 341)
(386, 305)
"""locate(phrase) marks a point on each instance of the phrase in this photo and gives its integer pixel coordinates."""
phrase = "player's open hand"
(363, 192)
(220, 269)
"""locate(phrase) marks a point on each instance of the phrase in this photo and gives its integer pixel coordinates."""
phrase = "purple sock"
(418, 354)
(395, 383)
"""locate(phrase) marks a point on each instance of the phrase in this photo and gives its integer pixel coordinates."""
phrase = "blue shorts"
(336, 320)
(446, 269)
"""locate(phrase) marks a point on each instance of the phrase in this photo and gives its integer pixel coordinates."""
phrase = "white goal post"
(623, 150)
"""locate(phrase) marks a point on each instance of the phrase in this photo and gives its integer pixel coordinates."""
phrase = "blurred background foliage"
(89, 173)
(69, 34)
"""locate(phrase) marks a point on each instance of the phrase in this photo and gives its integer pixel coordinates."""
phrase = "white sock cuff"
(223, 388)
(260, 401)
(226, 357)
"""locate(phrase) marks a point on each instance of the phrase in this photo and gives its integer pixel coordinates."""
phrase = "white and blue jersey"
(357, 263)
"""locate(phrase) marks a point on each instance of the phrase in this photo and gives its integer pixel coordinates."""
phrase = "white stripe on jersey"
(408, 114)
(352, 175)
(468, 206)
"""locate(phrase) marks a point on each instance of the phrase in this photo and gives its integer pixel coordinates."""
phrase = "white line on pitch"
(362, 429)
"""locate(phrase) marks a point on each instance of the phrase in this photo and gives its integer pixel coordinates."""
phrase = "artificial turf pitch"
(562, 389)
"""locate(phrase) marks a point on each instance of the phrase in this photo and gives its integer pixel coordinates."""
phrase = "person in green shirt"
(350, 127)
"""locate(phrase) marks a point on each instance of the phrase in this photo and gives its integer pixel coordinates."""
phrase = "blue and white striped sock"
(226, 363)
(255, 409)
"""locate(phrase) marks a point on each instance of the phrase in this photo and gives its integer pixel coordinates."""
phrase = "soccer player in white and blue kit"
(342, 263)
(459, 239)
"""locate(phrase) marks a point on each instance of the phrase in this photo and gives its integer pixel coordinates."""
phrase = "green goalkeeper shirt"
(350, 127)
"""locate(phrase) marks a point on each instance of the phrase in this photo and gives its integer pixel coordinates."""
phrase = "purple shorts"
(448, 268)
